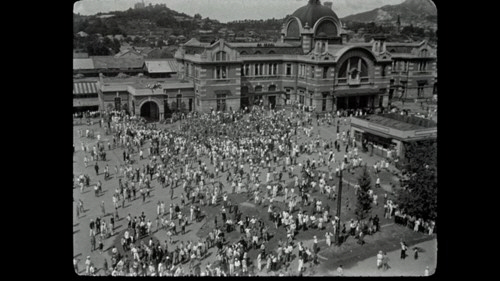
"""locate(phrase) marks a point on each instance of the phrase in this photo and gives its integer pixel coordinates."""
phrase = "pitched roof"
(126, 51)
(146, 50)
(83, 63)
(195, 42)
(84, 87)
(161, 66)
(120, 63)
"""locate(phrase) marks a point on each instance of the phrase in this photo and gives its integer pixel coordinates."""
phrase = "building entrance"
(150, 111)
(359, 102)
(272, 102)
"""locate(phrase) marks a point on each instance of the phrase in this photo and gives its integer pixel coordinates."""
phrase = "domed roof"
(312, 12)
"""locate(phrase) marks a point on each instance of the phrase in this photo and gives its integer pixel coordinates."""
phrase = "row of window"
(405, 65)
(260, 69)
(303, 71)
(353, 67)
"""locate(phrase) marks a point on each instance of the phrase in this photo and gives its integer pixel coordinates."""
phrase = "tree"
(419, 194)
(363, 204)
(97, 48)
(116, 45)
(197, 16)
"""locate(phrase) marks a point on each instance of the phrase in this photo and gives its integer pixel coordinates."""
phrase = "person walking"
(96, 167)
(87, 265)
(385, 261)
(103, 210)
(403, 250)
(380, 257)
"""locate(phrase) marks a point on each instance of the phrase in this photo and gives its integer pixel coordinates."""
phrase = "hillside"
(415, 12)
(154, 18)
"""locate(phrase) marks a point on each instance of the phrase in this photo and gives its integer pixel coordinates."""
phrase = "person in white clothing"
(380, 257)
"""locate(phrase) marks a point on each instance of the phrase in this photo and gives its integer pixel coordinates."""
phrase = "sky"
(229, 10)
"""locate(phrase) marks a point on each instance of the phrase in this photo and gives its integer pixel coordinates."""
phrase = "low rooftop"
(400, 122)
(143, 82)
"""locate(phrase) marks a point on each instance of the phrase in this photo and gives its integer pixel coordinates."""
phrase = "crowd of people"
(254, 154)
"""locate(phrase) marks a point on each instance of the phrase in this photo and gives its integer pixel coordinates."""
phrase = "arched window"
(352, 67)
(271, 52)
(293, 29)
(243, 53)
(326, 29)
(257, 53)
(221, 56)
(271, 88)
(258, 88)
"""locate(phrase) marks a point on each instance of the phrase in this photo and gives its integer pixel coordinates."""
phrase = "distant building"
(139, 5)
(85, 96)
(391, 132)
(313, 64)
(160, 68)
(129, 53)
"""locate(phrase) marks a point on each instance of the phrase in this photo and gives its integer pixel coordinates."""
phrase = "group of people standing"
(256, 154)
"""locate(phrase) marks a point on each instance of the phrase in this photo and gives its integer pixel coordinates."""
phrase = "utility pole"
(337, 240)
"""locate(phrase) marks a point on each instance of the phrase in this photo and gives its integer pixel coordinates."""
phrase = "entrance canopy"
(356, 92)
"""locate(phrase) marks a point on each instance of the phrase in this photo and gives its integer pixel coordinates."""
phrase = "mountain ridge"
(409, 11)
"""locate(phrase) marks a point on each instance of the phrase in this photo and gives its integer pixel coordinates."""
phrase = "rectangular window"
(275, 68)
(288, 69)
(270, 69)
(256, 70)
(220, 72)
(325, 72)
(247, 69)
(312, 71)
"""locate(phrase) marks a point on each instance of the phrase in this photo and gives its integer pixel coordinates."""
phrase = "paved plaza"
(197, 231)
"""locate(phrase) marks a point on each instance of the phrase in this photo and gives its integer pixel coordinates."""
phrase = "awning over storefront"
(377, 133)
(357, 92)
(84, 88)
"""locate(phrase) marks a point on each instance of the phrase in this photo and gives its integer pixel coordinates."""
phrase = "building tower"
(328, 4)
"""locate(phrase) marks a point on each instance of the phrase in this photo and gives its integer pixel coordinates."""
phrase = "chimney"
(328, 4)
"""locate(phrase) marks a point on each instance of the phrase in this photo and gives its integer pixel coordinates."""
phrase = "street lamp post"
(337, 240)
